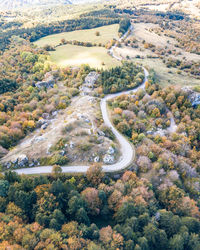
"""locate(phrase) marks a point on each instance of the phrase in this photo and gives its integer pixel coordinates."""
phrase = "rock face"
(3, 152)
(91, 79)
(48, 82)
(193, 96)
(89, 82)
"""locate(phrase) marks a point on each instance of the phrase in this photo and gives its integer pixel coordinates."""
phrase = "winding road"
(127, 149)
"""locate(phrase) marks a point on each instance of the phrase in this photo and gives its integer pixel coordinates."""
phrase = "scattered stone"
(71, 145)
(31, 165)
(15, 161)
(108, 159)
(54, 113)
(90, 159)
(8, 165)
(44, 126)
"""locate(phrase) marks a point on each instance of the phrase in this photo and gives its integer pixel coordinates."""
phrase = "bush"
(108, 132)
(58, 159)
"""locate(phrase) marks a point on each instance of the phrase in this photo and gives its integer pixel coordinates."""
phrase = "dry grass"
(71, 55)
(106, 34)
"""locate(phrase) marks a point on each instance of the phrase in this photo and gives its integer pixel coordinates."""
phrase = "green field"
(71, 55)
(106, 34)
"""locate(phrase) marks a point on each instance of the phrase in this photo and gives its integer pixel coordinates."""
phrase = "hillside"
(190, 7)
(99, 125)
(14, 4)
(17, 4)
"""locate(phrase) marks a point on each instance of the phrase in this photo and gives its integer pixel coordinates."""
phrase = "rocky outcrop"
(194, 97)
(21, 161)
(91, 79)
(48, 81)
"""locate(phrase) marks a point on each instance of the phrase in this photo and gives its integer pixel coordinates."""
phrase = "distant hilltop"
(17, 4)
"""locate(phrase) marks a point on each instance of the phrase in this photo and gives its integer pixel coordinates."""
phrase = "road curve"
(127, 150)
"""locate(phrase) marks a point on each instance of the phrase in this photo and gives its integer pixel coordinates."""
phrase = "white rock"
(39, 138)
(96, 159)
(71, 145)
(111, 151)
(108, 159)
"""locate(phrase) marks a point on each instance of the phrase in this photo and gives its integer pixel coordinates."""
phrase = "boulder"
(101, 133)
(97, 159)
(54, 113)
(44, 126)
(22, 160)
(71, 145)
(111, 151)
(41, 122)
(8, 165)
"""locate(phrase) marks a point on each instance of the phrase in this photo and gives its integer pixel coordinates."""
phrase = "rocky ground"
(74, 132)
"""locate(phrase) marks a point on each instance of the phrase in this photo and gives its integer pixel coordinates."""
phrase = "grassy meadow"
(106, 34)
(71, 55)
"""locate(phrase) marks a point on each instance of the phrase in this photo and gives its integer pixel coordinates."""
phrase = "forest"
(22, 66)
(121, 78)
(152, 205)
(87, 21)
(93, 212)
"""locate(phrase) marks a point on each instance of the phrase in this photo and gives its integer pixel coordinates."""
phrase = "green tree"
(4, 187)
(176, 242)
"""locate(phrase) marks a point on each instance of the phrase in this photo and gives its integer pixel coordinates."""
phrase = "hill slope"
(14, 4)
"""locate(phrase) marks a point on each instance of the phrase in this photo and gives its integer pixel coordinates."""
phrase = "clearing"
(72, 55)
(166, 76)
(107, 33)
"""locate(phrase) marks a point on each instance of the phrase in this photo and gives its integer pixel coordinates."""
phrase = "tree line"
(35, 33)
